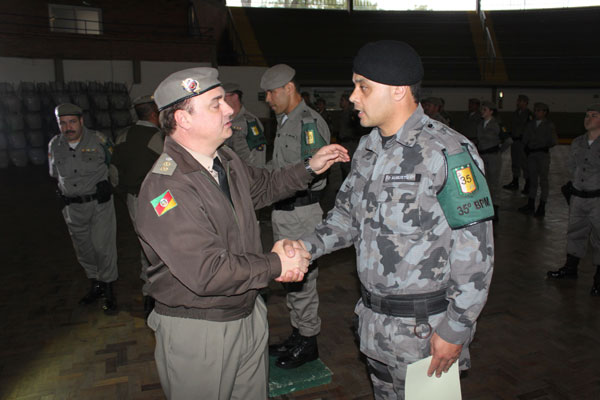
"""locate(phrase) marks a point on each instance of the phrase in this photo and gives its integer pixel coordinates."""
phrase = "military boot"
(305, 350)
(526, 187)
(110, 303)
(513, 185)
(284, 347)
(528, 208)
(96, 291)
(596, 287)
(541, 210)
(568, 271)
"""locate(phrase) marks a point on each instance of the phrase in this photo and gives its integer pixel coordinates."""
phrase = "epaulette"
(165, 165)
(101, 137)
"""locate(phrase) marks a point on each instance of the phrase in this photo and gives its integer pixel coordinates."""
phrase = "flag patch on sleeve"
(164, 203)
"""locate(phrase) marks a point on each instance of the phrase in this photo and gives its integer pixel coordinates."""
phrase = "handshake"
(294, 259)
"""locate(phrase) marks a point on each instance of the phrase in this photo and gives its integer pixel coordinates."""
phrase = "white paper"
(419, 386)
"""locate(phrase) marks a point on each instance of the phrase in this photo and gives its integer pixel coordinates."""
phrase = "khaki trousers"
(208, 360)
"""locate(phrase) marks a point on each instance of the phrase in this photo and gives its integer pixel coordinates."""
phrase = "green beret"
(67, 109)
(185, 84)
(541, 106)
(594, 107)
(389, 62)
(230, 87)
(143, 100)
(489, 105)
(277, 76)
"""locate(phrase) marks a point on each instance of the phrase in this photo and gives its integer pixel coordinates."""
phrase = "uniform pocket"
(398, 209)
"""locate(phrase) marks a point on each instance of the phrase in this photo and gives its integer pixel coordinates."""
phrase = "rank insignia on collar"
(191, 85)
(163, 203)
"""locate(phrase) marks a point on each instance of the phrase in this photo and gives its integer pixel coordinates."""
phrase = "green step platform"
(309, 375)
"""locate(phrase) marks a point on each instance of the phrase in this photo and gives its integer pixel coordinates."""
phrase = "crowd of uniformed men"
(193, 201)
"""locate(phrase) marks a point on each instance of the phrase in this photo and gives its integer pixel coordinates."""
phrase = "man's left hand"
(444, 355)
(327, 156)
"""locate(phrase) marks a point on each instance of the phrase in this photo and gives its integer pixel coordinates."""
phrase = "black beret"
(389, 62)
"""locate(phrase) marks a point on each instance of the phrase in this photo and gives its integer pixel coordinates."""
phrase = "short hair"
(239, 93)
(145, 110)
(415, 90)
(524, 98)
(167, 116)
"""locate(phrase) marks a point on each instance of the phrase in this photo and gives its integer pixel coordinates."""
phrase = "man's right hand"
(294, 263)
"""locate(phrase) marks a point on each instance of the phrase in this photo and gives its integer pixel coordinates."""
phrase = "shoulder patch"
(163, 203)
(101, 137)
(165, 165)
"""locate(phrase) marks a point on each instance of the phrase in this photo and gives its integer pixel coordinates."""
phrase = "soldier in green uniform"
(301, 131)
(520, 119)
(248, 139)
(79, 158)
(136, 150)
(417, 209)
(583, 193)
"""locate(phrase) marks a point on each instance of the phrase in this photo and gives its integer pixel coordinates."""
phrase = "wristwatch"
(309, 168)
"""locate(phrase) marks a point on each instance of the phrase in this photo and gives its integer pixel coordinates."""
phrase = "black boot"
(513, 185)
(568, 271)
(529, 208)
(541, 210)
(526, 188)
(96, 291)
(281, 349)
(596, 287)
(305, 350)
(110, 303)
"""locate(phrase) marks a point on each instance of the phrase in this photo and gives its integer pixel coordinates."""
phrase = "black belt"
(540, 150)
(79, 199)
(303, 198)
(491, 150)
(418, 306)
(585, 194)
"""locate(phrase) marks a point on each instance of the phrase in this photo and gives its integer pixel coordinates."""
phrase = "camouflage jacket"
(387, 208)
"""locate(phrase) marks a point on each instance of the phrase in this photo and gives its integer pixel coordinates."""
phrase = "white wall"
(249, 80)
(15, 70)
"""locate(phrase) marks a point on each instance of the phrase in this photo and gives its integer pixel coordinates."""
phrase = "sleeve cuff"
(453, 332)
(274, 265)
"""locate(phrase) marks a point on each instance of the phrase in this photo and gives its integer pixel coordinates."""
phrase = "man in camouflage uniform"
(79, 159)
(583, 194)
(248, 138)
(136, 151)
(417, 210)
(301, 131)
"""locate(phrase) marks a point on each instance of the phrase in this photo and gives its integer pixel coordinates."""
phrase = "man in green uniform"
(301, 131)
(79, 158)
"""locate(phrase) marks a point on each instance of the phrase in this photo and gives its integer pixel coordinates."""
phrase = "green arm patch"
(165, 165)
(311, 140)
(465, 198)
(255, 136)
(163, 203)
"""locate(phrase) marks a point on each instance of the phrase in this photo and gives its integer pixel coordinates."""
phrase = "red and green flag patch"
(163, 203)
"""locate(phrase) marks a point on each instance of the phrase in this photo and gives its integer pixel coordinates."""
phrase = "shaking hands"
(294, 260)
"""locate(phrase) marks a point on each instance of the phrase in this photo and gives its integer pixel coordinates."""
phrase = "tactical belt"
(79, 199)
(585, 194)
(540, 150)
(302, 198)
(491, 150)
(418, 306)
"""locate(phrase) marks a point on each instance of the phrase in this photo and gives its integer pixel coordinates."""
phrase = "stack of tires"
(34, 123)
(14, 125)
(120, 114)
(100, 109)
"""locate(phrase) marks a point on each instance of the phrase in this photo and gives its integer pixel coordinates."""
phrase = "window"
(73, 19)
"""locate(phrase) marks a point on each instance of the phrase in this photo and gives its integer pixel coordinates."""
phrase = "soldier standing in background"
(424, 263)
(583, 195)
(472, 121)
(520, 119)
(136, 151)
(348, 130)
(301, 131)
(79, 159)
(489, 146)
(539, 137)
(248, 138)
